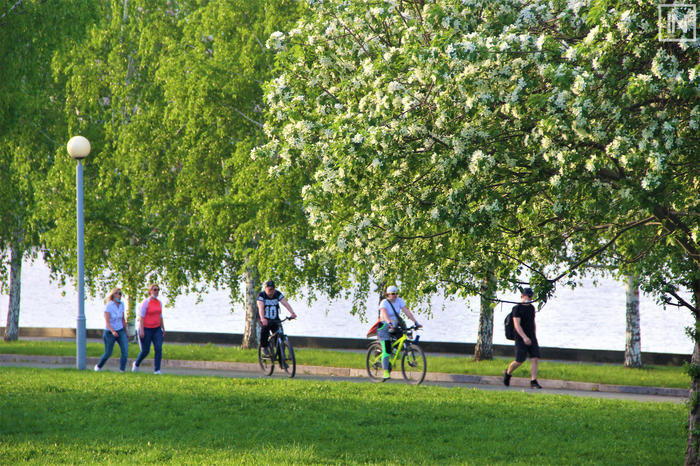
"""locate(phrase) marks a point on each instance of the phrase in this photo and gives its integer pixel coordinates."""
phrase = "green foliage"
(692, 369)
(207, 419)
(112, 99)
(530, 138)
(241, 214)
(31, 129)
(598, 8)
(170, 95)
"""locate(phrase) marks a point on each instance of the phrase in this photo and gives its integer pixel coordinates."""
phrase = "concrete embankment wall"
(564, 354)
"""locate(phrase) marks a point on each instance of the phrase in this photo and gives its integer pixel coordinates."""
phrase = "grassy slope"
(656, 376)
(51, 416)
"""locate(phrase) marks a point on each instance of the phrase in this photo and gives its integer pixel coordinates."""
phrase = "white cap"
(392, 289)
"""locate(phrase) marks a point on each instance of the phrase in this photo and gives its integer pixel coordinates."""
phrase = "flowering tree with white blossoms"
(616, 136)
(543, 136)
(357, 104)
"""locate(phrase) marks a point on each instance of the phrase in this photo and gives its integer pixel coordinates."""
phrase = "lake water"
(591, 317)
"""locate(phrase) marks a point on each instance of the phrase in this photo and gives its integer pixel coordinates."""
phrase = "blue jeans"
(154, 335)
(109, 340)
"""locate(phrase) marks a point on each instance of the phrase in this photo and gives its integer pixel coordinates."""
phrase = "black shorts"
(522, 351)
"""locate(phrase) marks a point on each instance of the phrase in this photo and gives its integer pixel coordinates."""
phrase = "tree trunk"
(633, 346)
(381, 293)
(691, 452)
(484, 342)
(130, 302)
(12, 329)
(252, 287)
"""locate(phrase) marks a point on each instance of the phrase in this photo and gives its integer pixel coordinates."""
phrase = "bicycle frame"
(406, 353)
(398, 346)
(276, 340)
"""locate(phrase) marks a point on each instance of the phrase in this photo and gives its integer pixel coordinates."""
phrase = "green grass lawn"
(69, 416)
(653, 376)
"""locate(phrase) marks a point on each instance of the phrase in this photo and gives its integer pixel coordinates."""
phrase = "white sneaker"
(97, 368)
(157, 372)
(134, 367)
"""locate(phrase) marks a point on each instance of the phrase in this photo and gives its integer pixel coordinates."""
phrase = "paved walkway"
(252, 370)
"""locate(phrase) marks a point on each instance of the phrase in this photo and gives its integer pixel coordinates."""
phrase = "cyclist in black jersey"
(269, 302)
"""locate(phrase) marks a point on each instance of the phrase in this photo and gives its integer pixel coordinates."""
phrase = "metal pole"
(80, 328)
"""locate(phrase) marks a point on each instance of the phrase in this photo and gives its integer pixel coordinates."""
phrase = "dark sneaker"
(535, 384)
(506, 378)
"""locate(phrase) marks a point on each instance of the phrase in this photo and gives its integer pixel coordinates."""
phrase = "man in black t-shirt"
(525, 339)
(269, 311)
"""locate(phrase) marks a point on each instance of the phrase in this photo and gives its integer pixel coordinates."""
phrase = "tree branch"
(260, 125)
(602, 248)
(684, 303)
(673, 223)
(11, 8)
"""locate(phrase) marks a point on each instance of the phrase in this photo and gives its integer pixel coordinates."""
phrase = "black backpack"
(509, 326)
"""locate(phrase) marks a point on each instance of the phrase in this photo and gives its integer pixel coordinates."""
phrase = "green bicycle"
(413, 364)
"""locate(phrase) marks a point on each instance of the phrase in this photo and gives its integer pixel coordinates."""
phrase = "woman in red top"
(150, 329)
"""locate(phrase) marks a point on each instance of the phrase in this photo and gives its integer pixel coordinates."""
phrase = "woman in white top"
(115, 330)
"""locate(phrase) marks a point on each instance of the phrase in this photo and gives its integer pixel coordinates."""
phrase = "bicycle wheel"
(267, 364)
(374, 362)
(287, 360)
(413, 364)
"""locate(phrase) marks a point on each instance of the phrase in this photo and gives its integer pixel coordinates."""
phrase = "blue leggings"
(154, 335)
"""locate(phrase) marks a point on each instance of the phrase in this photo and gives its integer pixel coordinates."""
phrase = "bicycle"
(413, 365)
(279, 349)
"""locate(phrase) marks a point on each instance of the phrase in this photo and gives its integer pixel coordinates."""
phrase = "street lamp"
(79, 148)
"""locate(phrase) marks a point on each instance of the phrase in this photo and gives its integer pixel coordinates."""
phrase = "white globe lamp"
(78, 147)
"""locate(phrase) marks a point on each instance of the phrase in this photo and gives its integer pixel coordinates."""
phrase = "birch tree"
(114, 100)
(633, 349)
(30, 106)
(250, 223)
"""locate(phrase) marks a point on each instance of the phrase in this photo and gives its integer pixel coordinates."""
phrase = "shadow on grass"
(72, 416)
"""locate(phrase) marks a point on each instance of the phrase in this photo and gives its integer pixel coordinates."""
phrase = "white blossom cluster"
(480, 119)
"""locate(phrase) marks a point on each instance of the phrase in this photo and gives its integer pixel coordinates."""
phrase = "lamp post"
(79, 148)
